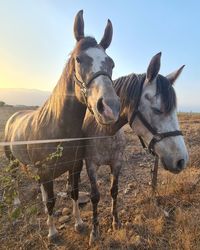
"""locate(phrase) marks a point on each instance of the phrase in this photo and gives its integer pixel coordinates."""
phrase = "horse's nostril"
(180, 164)
(100, 106)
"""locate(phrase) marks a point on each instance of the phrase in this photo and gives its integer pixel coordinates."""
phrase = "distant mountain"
(35, 97)
(28, 97)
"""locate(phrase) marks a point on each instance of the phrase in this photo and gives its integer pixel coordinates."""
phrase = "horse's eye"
(78, 59)
(157, 111)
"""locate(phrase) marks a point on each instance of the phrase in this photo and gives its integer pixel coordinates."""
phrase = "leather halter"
(157, 136)
(85, 85)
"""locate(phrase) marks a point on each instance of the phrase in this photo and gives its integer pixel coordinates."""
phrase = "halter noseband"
(157, 137)
(85, 85)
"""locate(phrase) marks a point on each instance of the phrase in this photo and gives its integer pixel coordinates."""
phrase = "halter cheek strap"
(85, 85)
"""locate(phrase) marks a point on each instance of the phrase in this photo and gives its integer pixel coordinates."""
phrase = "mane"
(128, 89)
(64, 89)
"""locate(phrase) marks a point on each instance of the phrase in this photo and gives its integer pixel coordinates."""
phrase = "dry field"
(171, 220)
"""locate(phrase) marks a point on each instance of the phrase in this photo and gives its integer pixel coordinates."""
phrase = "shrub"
(2, 103)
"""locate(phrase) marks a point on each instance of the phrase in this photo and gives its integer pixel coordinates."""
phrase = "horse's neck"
(63, 110)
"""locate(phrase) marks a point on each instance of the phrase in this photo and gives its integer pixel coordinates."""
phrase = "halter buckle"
(84, 90)
(158, 137)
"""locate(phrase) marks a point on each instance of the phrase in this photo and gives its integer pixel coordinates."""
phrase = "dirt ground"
(169, 220)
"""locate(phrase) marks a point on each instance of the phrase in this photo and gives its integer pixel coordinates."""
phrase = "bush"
(2, 103)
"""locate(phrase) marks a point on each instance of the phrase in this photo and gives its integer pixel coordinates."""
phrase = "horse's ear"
(174, 75)
(107, 37)
(153, 68)
(79, 26)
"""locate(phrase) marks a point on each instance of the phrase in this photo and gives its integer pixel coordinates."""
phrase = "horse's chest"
(104, 151)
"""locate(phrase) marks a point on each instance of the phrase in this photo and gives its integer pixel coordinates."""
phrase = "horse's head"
(92, 73)
(157, 108)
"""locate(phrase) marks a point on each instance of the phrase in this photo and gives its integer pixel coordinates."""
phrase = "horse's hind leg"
(95, 198)
(115, 171)
(74, 180)
(49, 199)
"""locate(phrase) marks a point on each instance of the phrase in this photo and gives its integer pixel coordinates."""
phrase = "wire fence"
(56, 164)
(31, 210)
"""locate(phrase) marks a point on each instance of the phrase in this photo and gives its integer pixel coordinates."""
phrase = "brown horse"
(148, 104)
(85, 82)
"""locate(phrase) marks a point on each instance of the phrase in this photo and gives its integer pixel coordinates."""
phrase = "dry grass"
(169, 220)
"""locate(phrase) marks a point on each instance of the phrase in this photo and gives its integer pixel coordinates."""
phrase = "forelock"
(86, 43)
(168, 96)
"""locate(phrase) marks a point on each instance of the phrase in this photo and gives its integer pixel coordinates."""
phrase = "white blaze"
(98, 55)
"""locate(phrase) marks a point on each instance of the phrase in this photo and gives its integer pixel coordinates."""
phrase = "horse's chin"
(101, 122)
(170, 169)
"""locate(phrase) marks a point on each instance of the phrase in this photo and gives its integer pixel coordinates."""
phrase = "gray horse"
(148, 104)
(85, 82)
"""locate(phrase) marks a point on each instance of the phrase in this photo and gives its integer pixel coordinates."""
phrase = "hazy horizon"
(37, 97)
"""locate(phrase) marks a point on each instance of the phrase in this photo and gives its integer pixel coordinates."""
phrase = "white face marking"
(52, 229)
(76, 213)
(98, 55)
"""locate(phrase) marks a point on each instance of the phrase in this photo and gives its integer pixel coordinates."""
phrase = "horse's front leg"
(115, 171)
(74, 180)
(95, 197)
(49, 200)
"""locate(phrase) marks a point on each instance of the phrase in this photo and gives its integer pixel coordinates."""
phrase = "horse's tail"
(7, 133)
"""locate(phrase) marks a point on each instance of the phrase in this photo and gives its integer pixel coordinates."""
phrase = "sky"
(36, 37)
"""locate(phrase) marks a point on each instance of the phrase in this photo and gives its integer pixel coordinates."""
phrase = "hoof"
(116, 225)
(79, 228)
(94, 237)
